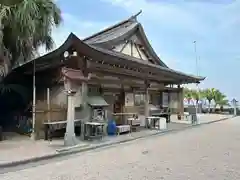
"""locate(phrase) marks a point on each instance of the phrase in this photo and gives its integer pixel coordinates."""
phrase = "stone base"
(33, 136)
(70, 140)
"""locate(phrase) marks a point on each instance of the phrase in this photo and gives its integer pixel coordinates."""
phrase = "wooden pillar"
(146, 103)
(83, 65)
(84, 94)
(170, 99)
(180, 101)
(48, 105)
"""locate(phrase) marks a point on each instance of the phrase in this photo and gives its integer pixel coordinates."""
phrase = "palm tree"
(209, 95)
(10, 2)
(24, 28)
(220, 99)
(187, 94)
(196, 95)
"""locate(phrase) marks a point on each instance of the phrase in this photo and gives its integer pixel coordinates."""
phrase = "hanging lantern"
(10, 2)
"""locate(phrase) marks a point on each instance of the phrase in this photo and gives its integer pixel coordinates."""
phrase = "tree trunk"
(5, 63)
(209, 106)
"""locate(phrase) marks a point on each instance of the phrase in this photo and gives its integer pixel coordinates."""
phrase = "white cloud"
(197, 17)
(80, 27)
(161, 13)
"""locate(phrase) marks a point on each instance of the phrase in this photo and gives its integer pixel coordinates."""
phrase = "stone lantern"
(234, 103)
(73, 78)
(70, 86)
(70, 89)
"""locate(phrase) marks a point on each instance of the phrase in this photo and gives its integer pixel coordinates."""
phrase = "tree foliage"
(209, 94)
(10, 2)
(26, 27)
(23, 29)
(187, 94)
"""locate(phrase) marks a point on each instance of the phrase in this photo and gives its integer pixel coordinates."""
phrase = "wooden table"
(164, 115)
(132, 122)
(93, 130)
(124, 114)
(49, 127)
(152, 120)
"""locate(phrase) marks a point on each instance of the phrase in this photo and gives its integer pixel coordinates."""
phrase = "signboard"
(129, 100)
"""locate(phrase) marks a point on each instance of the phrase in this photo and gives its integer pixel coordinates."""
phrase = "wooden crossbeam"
(98, 67)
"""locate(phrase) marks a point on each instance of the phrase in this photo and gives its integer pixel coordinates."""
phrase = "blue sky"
(171, 27)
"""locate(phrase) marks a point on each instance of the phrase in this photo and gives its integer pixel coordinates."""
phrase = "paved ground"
(21, 148)
(204, 118)
(208, 152)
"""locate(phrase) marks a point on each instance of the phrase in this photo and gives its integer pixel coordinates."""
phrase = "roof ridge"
(133, 17)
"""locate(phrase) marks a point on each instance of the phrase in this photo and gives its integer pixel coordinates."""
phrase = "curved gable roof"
(54, 59)
(121, 31)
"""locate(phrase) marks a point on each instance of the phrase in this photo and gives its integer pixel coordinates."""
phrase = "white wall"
(131, 51)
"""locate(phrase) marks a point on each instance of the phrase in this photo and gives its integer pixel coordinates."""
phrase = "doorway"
(119, 102)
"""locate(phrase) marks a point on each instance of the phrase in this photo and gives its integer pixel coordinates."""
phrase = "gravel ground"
(207, 152)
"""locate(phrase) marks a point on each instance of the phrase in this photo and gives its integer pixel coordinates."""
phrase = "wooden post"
(33, 135)
(84, 94)
(48, 105)
(146, 104)
(180, 101)
(169, 93)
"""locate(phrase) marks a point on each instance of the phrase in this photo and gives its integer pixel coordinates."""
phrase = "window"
(139, 99)
(93, 90)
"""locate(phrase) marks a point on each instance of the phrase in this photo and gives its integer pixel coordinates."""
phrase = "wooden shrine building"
(117, 64)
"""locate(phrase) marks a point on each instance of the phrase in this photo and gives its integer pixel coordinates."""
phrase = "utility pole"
(196, 61)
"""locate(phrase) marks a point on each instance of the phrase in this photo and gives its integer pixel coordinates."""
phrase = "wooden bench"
(134, 123)
(50, 127)
(123, 129)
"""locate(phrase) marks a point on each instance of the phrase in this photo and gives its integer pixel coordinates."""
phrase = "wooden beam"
(97, 67)
(138, 51)
(131, 48)
(116, 79)
(112, 81)
(126, 42)
(118, 90)
(141, 69)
